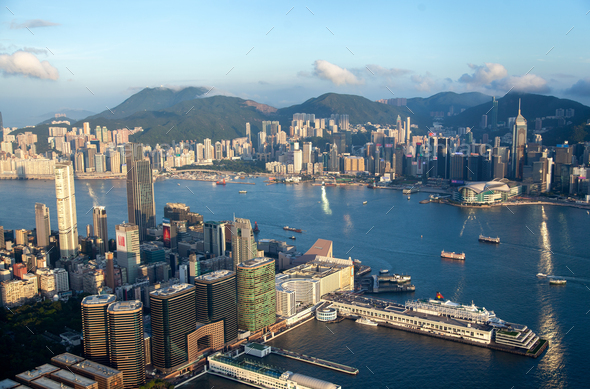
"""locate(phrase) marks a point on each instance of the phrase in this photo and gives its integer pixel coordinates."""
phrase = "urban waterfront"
(405, 237)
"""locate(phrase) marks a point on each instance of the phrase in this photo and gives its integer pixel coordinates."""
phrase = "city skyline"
(243, 55)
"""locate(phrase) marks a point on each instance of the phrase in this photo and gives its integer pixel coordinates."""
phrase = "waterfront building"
(293, 294)
(141, 206)
(99, 218)
(256, 294)
(214, 238)
(489, 192)
(333, 274)
(216, 300)
(67, 220)
(95, 327)
(42, 224)
(128, 254)
(326, 314)
(126, 344)
(263, 376)
(243, 241)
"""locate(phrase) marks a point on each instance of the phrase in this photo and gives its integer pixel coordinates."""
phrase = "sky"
(93, 55)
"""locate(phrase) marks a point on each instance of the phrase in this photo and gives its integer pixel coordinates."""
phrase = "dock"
(315, 361)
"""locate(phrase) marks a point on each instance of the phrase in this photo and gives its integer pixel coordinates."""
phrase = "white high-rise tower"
(67, 220)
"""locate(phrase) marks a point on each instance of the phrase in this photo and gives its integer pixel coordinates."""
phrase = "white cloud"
(423, 83)
(484, 75)
(529, 83)
(26, 64)
(34, 23)
(580, 88)
(385, 72)
(339, 76)
(34, 50)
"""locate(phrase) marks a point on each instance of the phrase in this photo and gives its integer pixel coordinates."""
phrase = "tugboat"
(256, 230)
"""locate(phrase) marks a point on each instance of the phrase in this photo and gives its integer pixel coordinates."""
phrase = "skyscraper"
(216, 299)
(67, 221)
(173, 318)
(95, 327)
(140, 190)
(126, 344)
(519, 139)
(110, 270)
(42, 224)
(214, 238)
(256, 294)
(99, 217)
(494, 113)
(243, 242)
(128, 254)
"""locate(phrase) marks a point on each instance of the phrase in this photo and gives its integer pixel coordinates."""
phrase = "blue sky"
(413, 48)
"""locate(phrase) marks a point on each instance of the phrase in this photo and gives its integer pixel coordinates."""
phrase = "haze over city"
(53, 55)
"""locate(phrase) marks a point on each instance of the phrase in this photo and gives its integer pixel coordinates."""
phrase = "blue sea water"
(391, 232)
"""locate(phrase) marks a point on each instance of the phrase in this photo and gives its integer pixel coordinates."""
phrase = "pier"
(315, 361)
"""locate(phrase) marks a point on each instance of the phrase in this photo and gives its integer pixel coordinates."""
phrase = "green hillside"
(445, 100)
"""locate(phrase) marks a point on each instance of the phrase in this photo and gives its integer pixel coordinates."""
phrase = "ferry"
(453, 255)
(557, 282)
(256, 230)
(243, 192)
(366, 322)
(488, 239)
(287, 228)
(364, 203)
(541, 275)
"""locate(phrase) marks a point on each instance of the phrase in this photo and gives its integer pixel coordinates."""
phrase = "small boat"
(557, 282)
(366, 322)
(364, 203)
(292, 238)
(178, 184)
(541, 275)
(408, 197)
(221, 182)
(383, 271)
(243, 192)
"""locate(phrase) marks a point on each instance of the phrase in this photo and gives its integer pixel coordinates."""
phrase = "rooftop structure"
(46, 383)
(40, 371)
(333, 273)
(321, 247)
(171, 290)
(66, 359)
(76, 380)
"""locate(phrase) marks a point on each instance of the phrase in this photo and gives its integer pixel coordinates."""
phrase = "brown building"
(46, 383)
(74, 380)
(40, 371)
(95, 327)
(66, 360)
(207, 337)
(106, 377)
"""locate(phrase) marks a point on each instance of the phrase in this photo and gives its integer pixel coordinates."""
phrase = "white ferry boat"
(541, 275)
(366, 322)
(557, 282)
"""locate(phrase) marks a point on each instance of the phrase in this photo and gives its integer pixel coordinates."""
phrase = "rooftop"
(125, 306)
(97, 369)
(72, 377)
(8, 384)
(37, 372)
(216, 275)
(67, 358)
(171, 290)
(255, 262)
(99, 299)
(45, 382)
(321, 247)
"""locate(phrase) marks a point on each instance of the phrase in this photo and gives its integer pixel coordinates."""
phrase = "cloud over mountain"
(529, 83)
(580, 88)
(334, 73)
(484, 75)
(21, 63)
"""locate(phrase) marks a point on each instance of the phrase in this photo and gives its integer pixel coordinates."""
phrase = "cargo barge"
(487, 239)
(453, 255)
(443, 319)
(287, 228)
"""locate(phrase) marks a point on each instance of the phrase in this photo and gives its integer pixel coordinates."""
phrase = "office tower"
(126, 348)
(207, 148)
(408, 131)
(67, 221)
(128, 254)
(173, 318)
(494, 113)
(42, 224)
(2, 242)
(95, 327)
(99, 218)
(216, 299)
(248, 132)
(256, 294)
(89, 230)
(214, 238)
(243, 242)
(457, 171)
(519, 139)
(110, 270)
(140, 190)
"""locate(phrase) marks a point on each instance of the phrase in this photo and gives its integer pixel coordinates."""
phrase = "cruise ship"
(443, 319)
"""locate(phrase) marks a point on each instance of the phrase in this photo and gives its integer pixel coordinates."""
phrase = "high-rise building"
(494, 113)
(216, 299)
(110, 270)
(141, 207)
(128, 252)
(173, 318)
(2, 242)
(519, 139)
(214, 238)
(99, 217)
(67, 220)
(95, 327)
(126, 345)
(243, 242)
(256, 294)
(207, 149)
(42, 224)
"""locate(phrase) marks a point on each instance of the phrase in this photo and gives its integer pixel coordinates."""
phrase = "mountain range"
(179, 114)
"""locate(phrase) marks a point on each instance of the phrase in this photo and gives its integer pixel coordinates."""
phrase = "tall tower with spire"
(519, 139)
